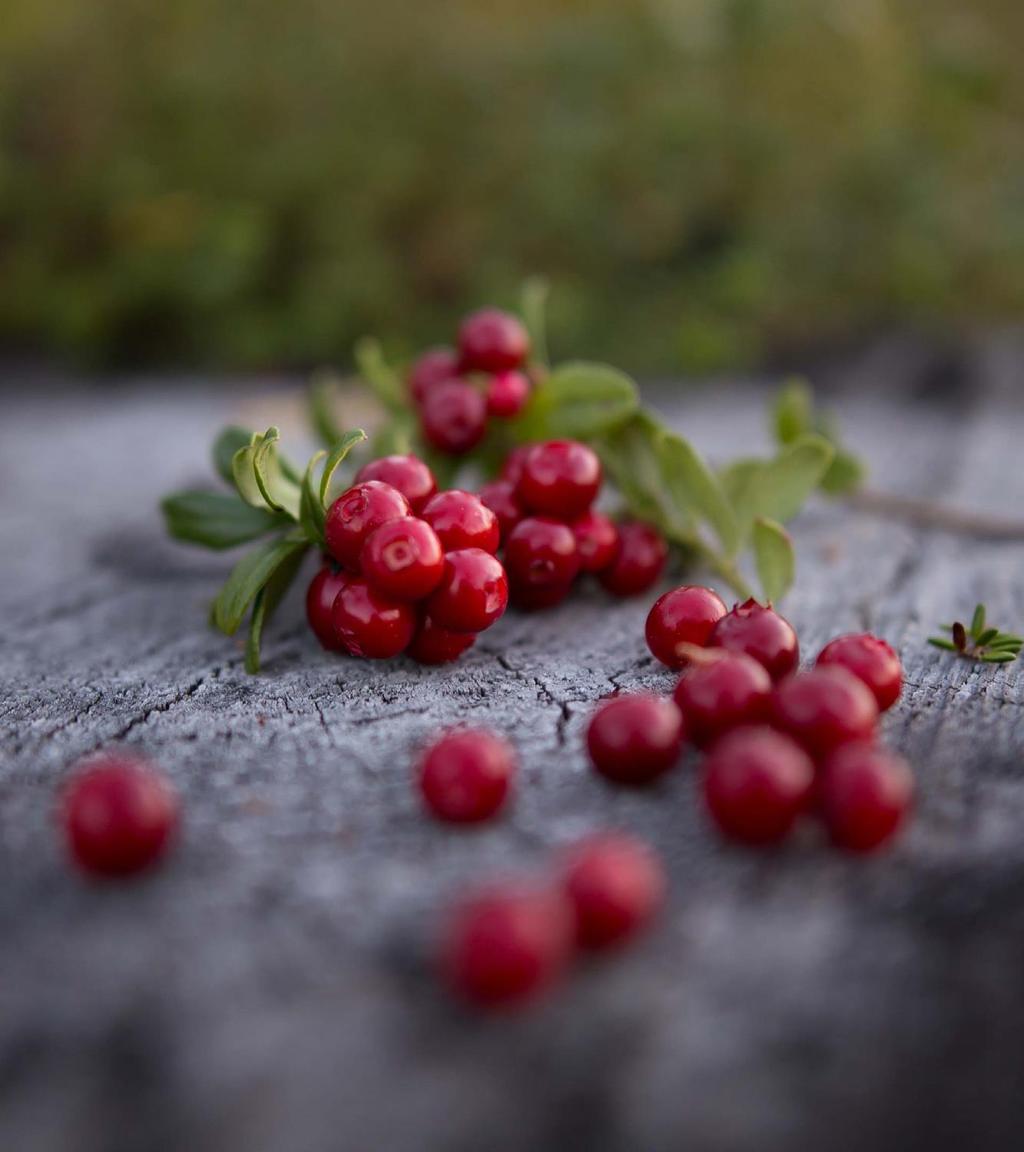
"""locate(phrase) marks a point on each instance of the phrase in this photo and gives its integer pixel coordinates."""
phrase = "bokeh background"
(706, 183)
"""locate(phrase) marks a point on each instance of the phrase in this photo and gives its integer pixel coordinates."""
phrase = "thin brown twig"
(939, 517)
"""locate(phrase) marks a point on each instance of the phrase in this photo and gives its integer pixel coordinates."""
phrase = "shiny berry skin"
(512, 468)
(541, 553)
(473, 593)
(865, 794)
(500, 497)
(507, 393)
(435, 366)
(756, 783)
(870, 659)
(639, 560)
(118, 815)
(466, 776)
(403, 559)
(725, 691)
(406, 473)
(635, 739)
(560, 478)
(371, 624)
(492, 341)
(597, 540)
(507, 946)
(823, 709)
(356, 513)
(616, 885)
(462, 520)
(454, 417)
(685, 615)
(433, 644)
(760, 632)
(320, 597)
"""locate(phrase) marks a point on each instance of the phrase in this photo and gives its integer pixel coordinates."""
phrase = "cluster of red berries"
(411, 569)
(778, 743)
(456, 392)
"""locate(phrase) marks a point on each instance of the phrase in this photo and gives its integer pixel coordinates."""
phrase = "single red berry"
(538, 599)
(597, 540)
(371, 624)
(118, 815)
(541, 553)
(462, 520)
(865, 795)
(466, 776)
(639, 560)
(500, 497)
(685, 615)
(320, 597)
(492, 341)
(507, 393)
(403, 559)
(616, 885)
(560, 478)
(634, 739)
(760, 632)
(512, 468)
(454, 417)
(435, 366)
(473, 593)
(406, 473)
(724, 691)
(824, 709)
(356, 513)
(870, 659)
(506, 946)
(433, 644)
(757, 782)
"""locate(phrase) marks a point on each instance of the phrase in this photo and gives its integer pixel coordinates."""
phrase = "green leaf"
(984, 638)
(265, 603)
(534, 308)
(323, 388)
(395, 436)
(577, 401)
(999, 658)
(384, 381)
(779, 488)
(280, 493)
(942, 642)
(335, 457)
(845, 474)
(311, 509)
(216, 519)
(228, 442)
(691, 485)
(247, 577)
(794, 411)
(629, 454)
(243, 472)
(775, 559)
(977, 621)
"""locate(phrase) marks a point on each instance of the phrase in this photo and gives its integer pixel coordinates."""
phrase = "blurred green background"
(706, 183)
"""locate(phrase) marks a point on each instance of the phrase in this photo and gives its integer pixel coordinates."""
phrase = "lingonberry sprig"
(979, 641)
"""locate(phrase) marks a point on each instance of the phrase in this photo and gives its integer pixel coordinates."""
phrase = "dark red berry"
(757, 782)
(320, 597)
(760, 632)
(371, 624)
(433, 644)
(454, 417)
(466, 776)
(403, 559)
(507, 393)
(865, 794)
(530, 599)
(500, 497)
(435, 366)
(870, 659)
(824, 709)
(356, 513)
(684, 616)
(541, 553)
(462, 520)
(722, 691)
(616, 885)
(512, 468)
(406, 473)
(560, 478)
(473, 593)
(118, 815)
(597, 540)
(634, 739)
(639, 560)
(492, 341)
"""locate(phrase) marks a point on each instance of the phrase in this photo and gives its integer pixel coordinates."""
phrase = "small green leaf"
(942, 642)
(999, 658)
(984, 638)
(578, 401)
(243, 472)
(629, 454)
(691, 485)
(311, 510)
(216, 519)
(776, 562)
(845, 474)
(534, 308)
(978, 621)
(280, 493)
(779, 488)
(395, 436)
(384, 381)
(323, 389)
(228, 442)
(248, 577)
(335, 457)
(794, 411)
(265, 603)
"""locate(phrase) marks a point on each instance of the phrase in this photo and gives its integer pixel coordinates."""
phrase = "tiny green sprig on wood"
(979, 641)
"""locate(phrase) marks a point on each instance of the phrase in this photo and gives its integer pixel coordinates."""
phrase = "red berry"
(118, 815)
(865, 795)
(541, 554)
(435, 366)
(320, 597)
(406, 473)
(870, 659)
(529, 599)
(492, 341)
(597, 540)
(371, 624)
(506, 946)
(560, 478)
(757, 782)
(760, 632)
(616, 885)
(473, 593)
(685, 615)
(433, 644)
(824, 709)
(634, 739)
(454, 417)
(467, 775)
(462, 520)
(639, 560)
(403, 559)
(724, 691)
(512, 468)
(507, 393)
(356, 513)
(500, 497)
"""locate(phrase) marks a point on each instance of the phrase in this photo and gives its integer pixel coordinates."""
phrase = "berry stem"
(932, 514)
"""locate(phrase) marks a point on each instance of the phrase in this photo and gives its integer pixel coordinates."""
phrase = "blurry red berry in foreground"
(616, 885)
(760, 632)
(685, 615)
(727, 690)
(466, 775)
(635, 739)
(824, 709)
(865, 796)
(870, 659)
(473, 593)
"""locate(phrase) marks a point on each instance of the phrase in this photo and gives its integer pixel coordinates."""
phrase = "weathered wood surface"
(267, 990)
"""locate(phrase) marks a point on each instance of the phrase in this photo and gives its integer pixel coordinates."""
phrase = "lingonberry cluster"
(410, 569)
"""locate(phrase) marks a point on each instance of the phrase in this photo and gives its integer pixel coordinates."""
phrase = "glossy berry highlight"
(871, 660)
(358, 512)
(616, 886)
(462, 520)
(320, 596)
(559, 478)
(635, 739)
(408, 474)
(473, 593)
(466, 776)
(684, 616)
(371, 624)
(541, 554)
(761, 633)
(403, 559)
